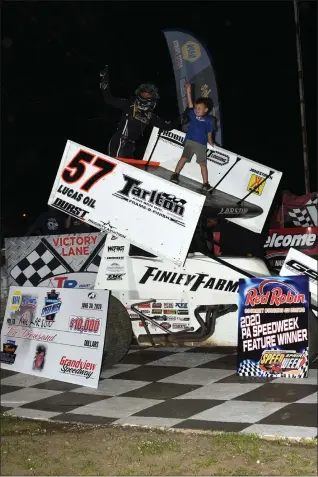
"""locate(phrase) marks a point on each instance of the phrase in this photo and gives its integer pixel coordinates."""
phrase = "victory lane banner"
(273, 327)
(55, 333)
(152, 213)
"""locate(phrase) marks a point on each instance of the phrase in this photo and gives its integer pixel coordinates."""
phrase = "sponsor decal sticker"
(116, 248)
(194, 281)
(180, 326)
(7, 354)
(191, 51)
(254, 181)
(16, 300)
(301, 269)
(165, 205)
(114, 276)
(182, 305)
(282, 361)
(52, 305)
(217, 157)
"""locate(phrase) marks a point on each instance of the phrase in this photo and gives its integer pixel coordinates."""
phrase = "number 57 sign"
(151, 213)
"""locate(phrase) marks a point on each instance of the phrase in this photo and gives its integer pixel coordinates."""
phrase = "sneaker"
(206, 186)
(174, 178)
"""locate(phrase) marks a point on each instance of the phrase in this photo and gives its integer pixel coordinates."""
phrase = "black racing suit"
(132, 125)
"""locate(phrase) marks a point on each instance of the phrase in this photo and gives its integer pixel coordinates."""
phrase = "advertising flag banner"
(192, 63)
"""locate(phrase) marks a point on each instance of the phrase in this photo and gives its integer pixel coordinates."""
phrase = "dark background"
(52, 54)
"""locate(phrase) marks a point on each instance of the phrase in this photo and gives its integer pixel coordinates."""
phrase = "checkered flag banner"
(305, 216)
(251, 368)
(42, 263)
(93, 261)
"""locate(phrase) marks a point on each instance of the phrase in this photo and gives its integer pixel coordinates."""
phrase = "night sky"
(52, 53)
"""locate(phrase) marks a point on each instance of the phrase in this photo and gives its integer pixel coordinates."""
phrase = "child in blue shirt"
(199, 134)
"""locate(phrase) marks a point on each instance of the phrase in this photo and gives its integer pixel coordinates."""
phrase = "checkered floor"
(175, 388)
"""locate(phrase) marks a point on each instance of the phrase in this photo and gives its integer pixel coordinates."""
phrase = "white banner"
(150, 212)
(55, 334)
(244, 176)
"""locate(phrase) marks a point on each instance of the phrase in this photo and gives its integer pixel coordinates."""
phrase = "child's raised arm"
(188, 88)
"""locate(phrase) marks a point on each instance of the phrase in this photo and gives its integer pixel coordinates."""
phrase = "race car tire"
(118, 336)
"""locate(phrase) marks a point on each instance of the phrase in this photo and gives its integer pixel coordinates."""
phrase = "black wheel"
(118, 336)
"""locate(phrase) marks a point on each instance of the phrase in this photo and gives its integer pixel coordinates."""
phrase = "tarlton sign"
(125, 201)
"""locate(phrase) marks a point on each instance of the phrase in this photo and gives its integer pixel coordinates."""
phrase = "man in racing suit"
(137, 115)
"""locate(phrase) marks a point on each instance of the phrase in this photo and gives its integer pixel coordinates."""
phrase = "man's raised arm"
(118, 103)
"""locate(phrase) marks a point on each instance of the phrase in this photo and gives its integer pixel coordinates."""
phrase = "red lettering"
(279, 298)
(85, 251)
(253, 298)
(60, 281)
(56, 241)
(275, 297)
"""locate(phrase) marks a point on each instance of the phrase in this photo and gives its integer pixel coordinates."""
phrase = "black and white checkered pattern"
(42, 263)
(301, 217)
(176, 388)
(93, 262)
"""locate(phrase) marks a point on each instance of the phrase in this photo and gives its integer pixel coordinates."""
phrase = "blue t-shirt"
(199, 127)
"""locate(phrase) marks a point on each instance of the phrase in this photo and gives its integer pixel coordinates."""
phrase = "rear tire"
(118, 336)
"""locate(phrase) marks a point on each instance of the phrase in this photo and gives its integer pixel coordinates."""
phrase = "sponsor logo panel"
(256, 184)
(166, 205)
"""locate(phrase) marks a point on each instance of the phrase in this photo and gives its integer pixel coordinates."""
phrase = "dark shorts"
(191, 148)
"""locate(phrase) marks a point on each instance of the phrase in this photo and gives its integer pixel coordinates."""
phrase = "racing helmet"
(147, 95)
